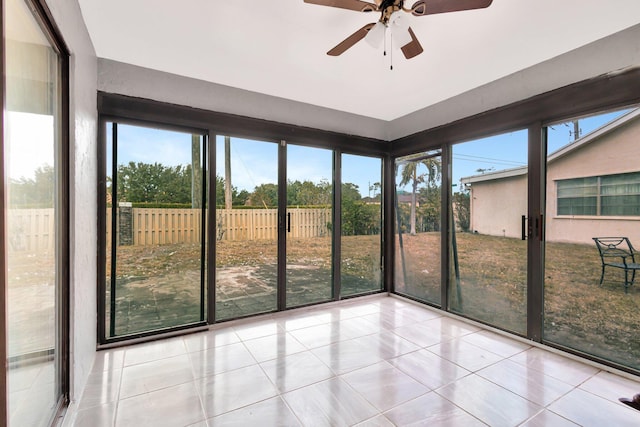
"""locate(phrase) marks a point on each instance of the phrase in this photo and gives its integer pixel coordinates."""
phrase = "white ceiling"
(279, 47)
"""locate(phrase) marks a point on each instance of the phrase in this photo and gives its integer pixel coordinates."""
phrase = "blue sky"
(509, 150)
(252, 162)
(255, 162)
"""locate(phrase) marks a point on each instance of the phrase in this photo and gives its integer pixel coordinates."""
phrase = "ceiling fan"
(392, 20)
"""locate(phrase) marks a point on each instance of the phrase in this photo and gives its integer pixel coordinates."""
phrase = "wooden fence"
(164, 226)
(31, 230)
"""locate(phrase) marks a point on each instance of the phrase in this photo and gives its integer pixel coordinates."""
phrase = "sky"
(255, 162)
(252, 162)
(509, 150)
(31, 142)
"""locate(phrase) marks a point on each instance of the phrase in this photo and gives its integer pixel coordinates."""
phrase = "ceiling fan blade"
(357, 5)
(431, 7)
(413, 48)
(351, 40)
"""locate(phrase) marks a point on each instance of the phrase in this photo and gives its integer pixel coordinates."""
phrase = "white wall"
(83, 181)
(497, 206)
(616, 52)
(132, 80)
(609, 54)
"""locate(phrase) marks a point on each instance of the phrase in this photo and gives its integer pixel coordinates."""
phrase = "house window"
(610, 195)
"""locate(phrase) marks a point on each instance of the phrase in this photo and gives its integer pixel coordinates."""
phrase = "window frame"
(611, 91)
(598, 195)
(606, 92)
(144, 112)
(47, 24)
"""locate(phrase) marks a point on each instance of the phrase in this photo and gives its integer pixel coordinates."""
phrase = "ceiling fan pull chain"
(391, 55)
(384, 52)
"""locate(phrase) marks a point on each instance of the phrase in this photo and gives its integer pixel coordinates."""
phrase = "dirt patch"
(578, 312)
(159, 286)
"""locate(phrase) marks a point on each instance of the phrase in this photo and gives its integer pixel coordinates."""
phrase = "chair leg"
(602, 275)
(626, 281)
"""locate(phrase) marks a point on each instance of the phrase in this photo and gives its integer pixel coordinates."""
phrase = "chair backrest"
(616, 247)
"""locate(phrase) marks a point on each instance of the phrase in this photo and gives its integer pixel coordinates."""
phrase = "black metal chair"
(618, 252)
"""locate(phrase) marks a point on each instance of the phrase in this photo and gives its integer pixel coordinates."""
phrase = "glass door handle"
(288, 222)
(533, 227)
(539, 227)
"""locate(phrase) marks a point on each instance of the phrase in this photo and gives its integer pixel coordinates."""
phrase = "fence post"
(125, 222)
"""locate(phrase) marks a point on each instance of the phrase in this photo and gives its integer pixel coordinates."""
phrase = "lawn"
(578, 312)
(162, 283)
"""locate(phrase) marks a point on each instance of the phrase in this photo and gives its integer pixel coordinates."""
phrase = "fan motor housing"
(388, 8)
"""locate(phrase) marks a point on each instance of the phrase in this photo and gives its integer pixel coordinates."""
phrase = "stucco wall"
(83, 211)
(616, 152)
(499, 204)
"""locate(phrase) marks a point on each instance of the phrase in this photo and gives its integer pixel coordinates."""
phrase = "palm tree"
(410, 175)
(228, 190)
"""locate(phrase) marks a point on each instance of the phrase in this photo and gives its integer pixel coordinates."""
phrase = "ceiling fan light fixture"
(375, 36)
(401, 34)
(399, 31)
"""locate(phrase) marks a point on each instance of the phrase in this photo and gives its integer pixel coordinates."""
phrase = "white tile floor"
(376, 361)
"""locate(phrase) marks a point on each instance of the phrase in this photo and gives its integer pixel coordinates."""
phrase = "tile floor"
(376, 361)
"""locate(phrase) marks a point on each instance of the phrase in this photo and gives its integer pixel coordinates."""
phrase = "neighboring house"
(403, 197)
(593, 189)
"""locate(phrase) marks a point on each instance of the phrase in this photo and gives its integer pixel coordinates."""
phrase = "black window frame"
(150, 113)
(44, 17)
(607, 92)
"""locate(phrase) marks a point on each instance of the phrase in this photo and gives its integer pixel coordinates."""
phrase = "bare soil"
(491, 285)
(579, 313)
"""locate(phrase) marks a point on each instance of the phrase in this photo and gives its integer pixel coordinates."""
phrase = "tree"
(350, 192)
(196, 172)
(36, 192)
(307, 193)
(462, 208)
(154, 183)
(375, 188)
(237, 198)
(240, 198)
(430, 208)
(228, 191)
(219, 191)
(410, 175)
(264, 196)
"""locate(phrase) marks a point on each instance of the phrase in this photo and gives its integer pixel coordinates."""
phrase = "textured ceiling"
(279, 47)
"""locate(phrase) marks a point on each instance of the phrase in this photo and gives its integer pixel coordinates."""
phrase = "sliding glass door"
(593, 230)
(246, 227)
(418, 228)
(155, 229)
(488, 247)
(309, 272)
(36, 236)
(271, 229)
(361, 221)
